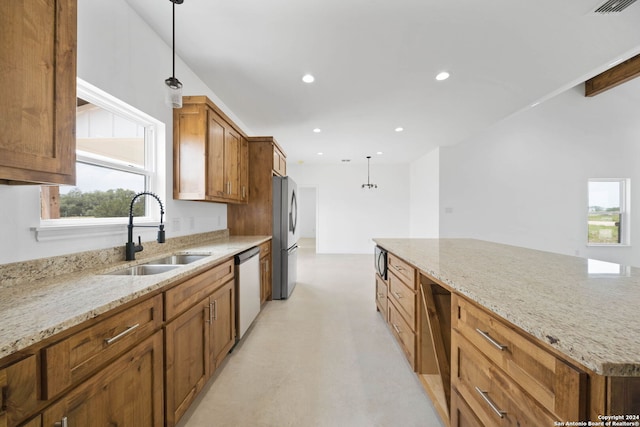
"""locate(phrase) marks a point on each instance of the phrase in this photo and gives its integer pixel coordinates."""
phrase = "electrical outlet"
(192, 223)
(175, 224)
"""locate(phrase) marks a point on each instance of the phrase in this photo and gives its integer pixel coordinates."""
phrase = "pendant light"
(369, 185)
(173, 96)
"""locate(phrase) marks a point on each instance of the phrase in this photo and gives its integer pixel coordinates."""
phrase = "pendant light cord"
(173, 43)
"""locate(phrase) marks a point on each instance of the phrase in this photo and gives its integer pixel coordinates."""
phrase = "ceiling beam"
(613, 77)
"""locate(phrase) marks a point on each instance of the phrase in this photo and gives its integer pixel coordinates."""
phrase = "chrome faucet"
(131, 248)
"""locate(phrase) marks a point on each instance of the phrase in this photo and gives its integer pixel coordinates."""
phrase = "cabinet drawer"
(403, 334)
(191, 291)
(404, 299)
(402, 270)
(461, 414)
(74, 358)
(490, 393)
(381, 296)
(558, 386)
(18, 390)
(265, 249)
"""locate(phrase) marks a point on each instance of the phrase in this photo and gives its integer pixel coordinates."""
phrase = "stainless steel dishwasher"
(247, 289)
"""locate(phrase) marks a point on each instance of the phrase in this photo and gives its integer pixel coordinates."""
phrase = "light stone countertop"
(35, 310)
(586, 309)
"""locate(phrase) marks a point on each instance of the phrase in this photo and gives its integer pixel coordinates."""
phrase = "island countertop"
(585, 309)
(35, 310)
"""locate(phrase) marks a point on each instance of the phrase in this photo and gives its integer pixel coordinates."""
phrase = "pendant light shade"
(173, 95)
(369, 185)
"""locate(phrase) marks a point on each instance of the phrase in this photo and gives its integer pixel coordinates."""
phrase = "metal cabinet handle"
(485, 397)
(380, 294)
(121, 334)
(215, 310)
(210, 312)
(397, 267)
(493, 342)
(396, 328)
(243, 191)
(397, 295)
(61, 423)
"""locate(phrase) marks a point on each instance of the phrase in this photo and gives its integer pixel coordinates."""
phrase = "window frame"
(624, 229)
(154, 171)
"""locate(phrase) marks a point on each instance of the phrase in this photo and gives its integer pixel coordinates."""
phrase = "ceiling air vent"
(613, 6)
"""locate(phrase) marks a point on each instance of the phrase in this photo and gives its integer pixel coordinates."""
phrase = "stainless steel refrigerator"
(285, 236)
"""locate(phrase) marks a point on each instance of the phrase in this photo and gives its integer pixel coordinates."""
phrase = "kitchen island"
(581, 312)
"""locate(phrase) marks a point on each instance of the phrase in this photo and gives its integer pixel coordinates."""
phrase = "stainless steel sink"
(180, 259)
(144, 270)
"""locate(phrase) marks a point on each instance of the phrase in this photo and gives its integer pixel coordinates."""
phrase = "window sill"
(46, 233)
(608, 245)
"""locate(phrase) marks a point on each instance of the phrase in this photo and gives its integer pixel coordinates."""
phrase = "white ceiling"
(375, 63)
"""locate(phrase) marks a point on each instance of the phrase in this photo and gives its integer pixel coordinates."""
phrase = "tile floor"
(324, 357)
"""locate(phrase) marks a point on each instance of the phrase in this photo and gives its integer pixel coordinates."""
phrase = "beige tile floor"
(324, 357)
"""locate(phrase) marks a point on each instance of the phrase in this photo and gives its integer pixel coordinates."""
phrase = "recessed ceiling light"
(308, 78)
(346, 160)
(442, 76)
(399, 129)
(317, 130)
(379, 153)
(320, 154)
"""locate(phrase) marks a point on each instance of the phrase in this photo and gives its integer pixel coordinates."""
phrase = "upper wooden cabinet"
(210, 154)
(256, 217)
(37, 106)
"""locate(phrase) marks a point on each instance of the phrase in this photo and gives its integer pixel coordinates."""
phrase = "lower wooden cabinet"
(18, 390)
(222, 329)
(265, 272)
(197, 341)
(128, 393)
(461, 414)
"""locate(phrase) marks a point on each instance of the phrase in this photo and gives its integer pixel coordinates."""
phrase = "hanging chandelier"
(173, 96)
(369, 185)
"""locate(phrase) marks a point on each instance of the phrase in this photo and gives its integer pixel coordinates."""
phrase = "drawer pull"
(380, 295)
(397, 267)
(493, 406)
(398, 295)
(121, 334)
(495, 343)
(396, 328)
(61, 423)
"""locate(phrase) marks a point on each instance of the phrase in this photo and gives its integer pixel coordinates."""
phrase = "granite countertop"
(37, 309)
(586, 309)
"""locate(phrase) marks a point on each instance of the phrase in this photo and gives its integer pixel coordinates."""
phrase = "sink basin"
(180, 259)
(143, 270)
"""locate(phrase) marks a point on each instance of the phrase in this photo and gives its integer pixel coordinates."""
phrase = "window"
(608, 214)
(116, 157)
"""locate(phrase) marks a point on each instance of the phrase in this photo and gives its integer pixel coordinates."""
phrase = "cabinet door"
(37, 130)
(223, 323)
(244, 170)
(232, 146)
(127, 393)
(18, 391)
(187, 364)
(216, 181)
(265, 278)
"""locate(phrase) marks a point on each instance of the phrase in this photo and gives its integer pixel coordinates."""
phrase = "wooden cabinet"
(402, 305)
(199, 336)
(279, 162)
(507, 378)
(128, 393)
(255, 218)
(37, 131)
(461, 414)
(265, 272)
(552, 383)
(71, 360)
(210, 154)
(18, 390)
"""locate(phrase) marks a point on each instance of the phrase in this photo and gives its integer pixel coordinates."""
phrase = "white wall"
(524, 181)
(120, 54)
(349, 216)
(425, 196)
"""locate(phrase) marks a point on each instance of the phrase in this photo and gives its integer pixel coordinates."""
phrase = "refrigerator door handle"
(292, 249)
(293, 215)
